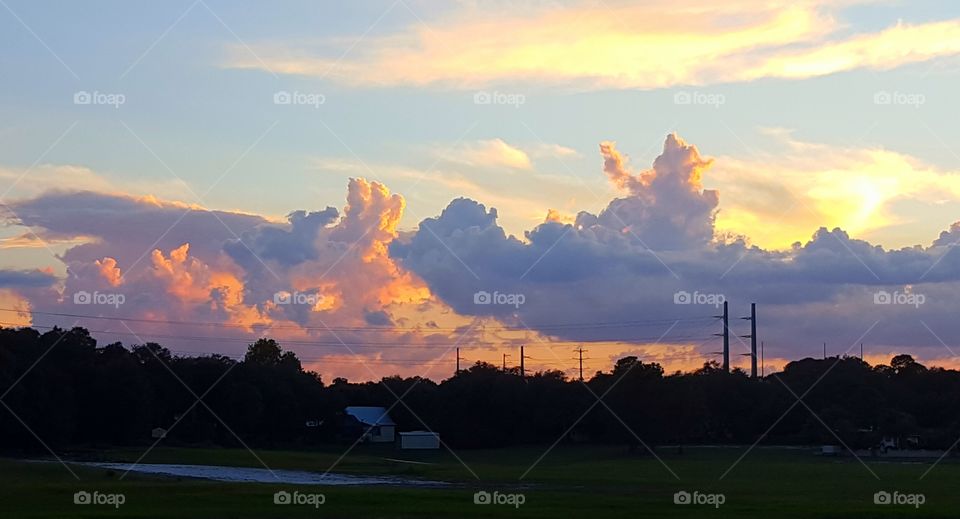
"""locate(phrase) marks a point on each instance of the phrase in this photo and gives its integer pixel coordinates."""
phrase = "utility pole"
(753, 339)
(580, 350)
(522, 371)
(824, 351)
(505, 355)
(726, 337)
(458, 361)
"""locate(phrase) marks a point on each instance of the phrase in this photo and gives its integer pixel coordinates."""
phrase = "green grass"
(594, 482)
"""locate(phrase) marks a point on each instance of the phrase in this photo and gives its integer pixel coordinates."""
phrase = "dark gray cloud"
(625, 263)
(605, 268)
(127, 227)
(26, 279)
(287, 246)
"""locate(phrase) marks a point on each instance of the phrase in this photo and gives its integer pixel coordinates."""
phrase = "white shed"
(419, 440)
(377, 425)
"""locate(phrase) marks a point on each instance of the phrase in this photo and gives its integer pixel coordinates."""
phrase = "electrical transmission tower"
(753, 339)
(726, 337)
(580, 351)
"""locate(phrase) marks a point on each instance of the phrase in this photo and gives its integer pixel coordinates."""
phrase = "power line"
(144, 336)
(370, 328)
(389, 361)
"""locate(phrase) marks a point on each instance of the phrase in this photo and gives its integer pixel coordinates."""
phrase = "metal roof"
(370, 415)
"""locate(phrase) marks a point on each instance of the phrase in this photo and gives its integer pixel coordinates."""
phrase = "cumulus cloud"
(667, 206)
(160, 261)
(626, 264)
(354, 270)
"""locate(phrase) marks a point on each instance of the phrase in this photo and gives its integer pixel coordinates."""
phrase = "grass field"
(594, 482)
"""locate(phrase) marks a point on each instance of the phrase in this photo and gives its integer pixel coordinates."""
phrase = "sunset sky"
(351, 177)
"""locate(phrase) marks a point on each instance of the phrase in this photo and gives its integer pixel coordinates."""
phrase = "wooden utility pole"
(505, 355)
(458, 362)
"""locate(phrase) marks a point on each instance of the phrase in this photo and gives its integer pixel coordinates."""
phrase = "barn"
(374, 423)
(419, 440)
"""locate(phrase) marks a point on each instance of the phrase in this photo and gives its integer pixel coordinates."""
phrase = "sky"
(376, 184)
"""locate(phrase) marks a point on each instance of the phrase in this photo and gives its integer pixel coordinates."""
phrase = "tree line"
(61, 388)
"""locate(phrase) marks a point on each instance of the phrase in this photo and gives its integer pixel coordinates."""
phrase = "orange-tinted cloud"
(110, 271)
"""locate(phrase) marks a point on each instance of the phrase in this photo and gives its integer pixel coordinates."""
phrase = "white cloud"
(625, 45)
(492, 153)
(776, 196)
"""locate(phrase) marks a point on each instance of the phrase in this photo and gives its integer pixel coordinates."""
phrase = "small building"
(373, 423)
(158, 433)
(419, 440)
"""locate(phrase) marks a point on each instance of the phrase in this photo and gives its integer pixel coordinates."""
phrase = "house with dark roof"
(370, 424)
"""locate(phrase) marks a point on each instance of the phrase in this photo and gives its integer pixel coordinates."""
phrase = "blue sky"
(198, 116)
(798, 137)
